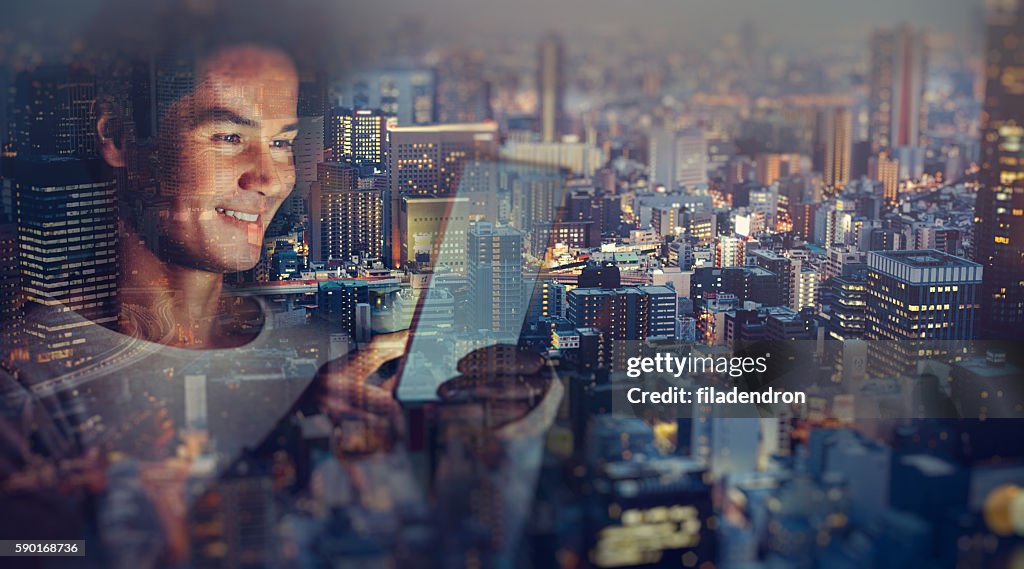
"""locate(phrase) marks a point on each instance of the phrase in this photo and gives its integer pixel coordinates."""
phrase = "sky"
(799, 23)
(795, 24)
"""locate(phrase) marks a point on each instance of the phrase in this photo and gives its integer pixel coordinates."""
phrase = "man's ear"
(110, 133)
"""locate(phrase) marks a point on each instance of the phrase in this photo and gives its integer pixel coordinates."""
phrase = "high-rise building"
(10, 285)
(780, 266)
(837, 133)
(357, 136)
(678, 158)
(338, 303)
(429, 161)
(67, 242)
(999, 209)
(849, 294)
(665, 221)
(463, 93)
(771, 167)
(551, 88)
(433, 232)
(308, 150)
(578, 157)
(620, 315)
(920, 304)
(407, 93)
(494, 269)
(347, 217)
(804, 288)
(51, 112)
(548, 301)
(898, 114)
(661, 311)
(886, 170)
(730, 251)
(755, 284)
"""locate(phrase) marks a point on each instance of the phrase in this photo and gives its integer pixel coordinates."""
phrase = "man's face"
(226, 159)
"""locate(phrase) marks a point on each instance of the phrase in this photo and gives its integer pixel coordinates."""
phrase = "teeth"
(239, 214)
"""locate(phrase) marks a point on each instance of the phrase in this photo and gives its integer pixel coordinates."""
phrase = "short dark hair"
(176, 35)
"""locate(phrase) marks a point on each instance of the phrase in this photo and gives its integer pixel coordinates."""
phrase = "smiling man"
(225, 166)
(121, 437)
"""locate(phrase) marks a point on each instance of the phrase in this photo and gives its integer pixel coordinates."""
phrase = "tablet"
(474, 280)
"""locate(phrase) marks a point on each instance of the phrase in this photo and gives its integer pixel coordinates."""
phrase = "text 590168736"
(34, 548)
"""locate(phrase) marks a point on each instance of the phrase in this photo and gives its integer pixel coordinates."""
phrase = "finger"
(356, 391)
(339, 405)
(360, 364)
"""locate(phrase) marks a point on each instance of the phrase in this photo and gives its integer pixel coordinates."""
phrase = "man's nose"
(261, 173)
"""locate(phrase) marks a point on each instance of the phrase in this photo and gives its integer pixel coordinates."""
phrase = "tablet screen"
(474, 279)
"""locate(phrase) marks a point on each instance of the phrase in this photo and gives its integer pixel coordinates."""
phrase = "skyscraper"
(463, 93)
(358, 136)
(429, 161)
(52, 112)
(10, 284)
(494, 269)
(67, 240)
(920, 304)
(678, 158)
(848, 306)
(308, 150)
(406, 93)
(837, 133)
(771, 167)
(730, 251)
(886, 170)
(551, 88)
(898, 114)
(347, 217)
(999, 209)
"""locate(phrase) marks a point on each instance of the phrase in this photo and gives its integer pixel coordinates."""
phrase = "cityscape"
(406, 331)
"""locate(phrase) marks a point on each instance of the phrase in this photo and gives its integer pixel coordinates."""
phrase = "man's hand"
(359, 401)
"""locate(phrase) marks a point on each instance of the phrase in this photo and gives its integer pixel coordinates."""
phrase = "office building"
(999, 209)
(429, 161)
(898, 115)
(407, 93)
(771, 167)
(551, 88)
(678, 158)
(67, 242)
(463, 92)
(51, 112)
(338, 303)
(433, 232)
(357, 136)
(848, 307)
(494, 269)
(730, 251)
(347, 218)
(836, 127)
(661, 311)
(579, 158)
(884, 169)
(10, 286)
(920, 305)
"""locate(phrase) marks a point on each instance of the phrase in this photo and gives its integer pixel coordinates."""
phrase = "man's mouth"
(239, 215)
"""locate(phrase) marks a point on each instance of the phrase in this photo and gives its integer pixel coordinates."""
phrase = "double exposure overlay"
(572, 284)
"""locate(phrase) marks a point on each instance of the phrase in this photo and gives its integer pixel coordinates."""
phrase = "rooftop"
(926, 258)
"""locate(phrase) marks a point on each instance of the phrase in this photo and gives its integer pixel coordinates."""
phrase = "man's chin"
(231, 263)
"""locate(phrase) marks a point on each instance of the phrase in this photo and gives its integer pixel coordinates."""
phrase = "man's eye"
(282, 143)
(229, 138)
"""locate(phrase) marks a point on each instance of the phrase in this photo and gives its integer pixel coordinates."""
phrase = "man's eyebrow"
(290, 127)
(220, 114)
